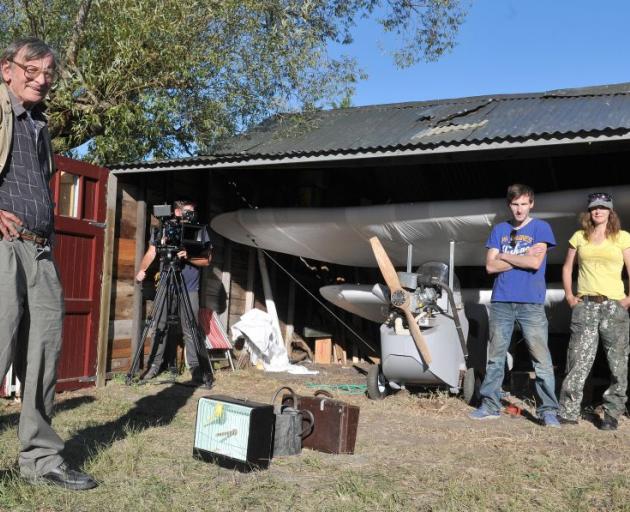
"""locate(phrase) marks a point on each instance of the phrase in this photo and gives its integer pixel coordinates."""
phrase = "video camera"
(175, 234)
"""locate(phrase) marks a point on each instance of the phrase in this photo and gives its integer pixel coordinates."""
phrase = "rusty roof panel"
(565, 113)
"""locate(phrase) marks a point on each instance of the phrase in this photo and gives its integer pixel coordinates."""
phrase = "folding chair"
(216, 336)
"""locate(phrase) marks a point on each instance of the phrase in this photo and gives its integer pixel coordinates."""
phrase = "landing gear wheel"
(470, 386)
(377, 387)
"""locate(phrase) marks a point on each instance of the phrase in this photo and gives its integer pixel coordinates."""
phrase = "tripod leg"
(162, 349)
(152, 320)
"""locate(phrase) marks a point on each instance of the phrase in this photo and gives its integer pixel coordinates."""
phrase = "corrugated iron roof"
(560, 114)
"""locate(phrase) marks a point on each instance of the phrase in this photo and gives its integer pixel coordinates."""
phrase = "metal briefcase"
(335, 425)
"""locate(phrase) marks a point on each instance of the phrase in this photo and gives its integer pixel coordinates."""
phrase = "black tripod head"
(168, 257)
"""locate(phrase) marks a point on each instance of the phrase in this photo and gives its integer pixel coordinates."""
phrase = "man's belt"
(594, 298)
(26, 234)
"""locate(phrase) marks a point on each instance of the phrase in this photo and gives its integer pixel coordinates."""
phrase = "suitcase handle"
(293, 397)
(306, 431)
(324, 393)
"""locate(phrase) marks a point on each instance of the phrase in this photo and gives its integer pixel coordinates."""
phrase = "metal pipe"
(451, 269)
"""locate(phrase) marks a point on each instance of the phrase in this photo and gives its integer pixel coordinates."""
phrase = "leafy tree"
(158, 78)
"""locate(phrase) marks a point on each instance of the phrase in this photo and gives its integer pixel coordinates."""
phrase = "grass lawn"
(413, 452)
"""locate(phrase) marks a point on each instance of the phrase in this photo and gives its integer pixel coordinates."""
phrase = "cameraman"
(184, 211)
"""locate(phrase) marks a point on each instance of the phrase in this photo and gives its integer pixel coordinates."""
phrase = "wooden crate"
(323, 350)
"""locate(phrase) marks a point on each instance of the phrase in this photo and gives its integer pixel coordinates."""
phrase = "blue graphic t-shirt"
(520, 285)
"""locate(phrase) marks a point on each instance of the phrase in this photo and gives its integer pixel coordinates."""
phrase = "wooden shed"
(464, 148)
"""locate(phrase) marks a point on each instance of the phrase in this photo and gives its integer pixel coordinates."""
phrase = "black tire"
(377, 387)
(470, 387)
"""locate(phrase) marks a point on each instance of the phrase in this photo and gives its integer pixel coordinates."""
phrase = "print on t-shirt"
(516, 244)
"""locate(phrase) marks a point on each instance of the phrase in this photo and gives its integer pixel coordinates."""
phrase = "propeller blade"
(417, 336)
(385, 264)
(400, 297)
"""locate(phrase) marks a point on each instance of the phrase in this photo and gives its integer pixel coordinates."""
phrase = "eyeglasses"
(599, 195)
(513, 234)
(32, 72)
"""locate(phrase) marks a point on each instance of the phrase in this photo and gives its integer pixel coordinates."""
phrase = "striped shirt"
(24, 187)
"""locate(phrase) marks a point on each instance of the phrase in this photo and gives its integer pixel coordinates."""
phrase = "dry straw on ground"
(413, 452)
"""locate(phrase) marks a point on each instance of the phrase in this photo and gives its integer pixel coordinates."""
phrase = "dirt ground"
(413, 452)
(438, 459)
(425, 436)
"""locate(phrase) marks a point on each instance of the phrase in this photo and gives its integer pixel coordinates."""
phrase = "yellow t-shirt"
(600, 265)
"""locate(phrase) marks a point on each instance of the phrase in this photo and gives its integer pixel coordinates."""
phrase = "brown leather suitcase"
(335, 422)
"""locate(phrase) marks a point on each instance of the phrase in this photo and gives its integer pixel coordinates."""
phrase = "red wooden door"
(79, 191)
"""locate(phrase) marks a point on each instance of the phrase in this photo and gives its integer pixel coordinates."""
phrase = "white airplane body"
(341, 235)
(344, 235)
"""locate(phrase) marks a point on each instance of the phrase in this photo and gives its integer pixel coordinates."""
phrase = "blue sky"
(506, 46)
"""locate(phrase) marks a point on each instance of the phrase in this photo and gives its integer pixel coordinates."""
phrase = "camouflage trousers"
(591, 321)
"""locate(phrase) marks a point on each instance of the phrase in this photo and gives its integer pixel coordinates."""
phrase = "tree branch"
(32, 20)
(77, 32)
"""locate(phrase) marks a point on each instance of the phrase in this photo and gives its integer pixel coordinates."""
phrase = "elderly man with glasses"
(517, 254)
(31, 299)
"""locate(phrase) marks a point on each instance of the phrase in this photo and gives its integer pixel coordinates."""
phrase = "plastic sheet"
(263, 345)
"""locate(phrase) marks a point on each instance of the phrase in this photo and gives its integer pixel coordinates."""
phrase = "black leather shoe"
(198, 378)
(67, 478)
(196, 375)
(608, 423)
(565, 421)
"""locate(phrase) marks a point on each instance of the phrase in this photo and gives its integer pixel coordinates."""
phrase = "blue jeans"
(533, 322)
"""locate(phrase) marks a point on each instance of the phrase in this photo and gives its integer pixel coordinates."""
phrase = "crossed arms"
(497, 262)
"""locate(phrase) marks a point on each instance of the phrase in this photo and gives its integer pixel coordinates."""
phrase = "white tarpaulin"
(263, 344)
(340, 235)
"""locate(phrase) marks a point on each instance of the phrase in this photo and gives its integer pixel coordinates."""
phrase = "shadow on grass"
(149, 411)
(11, 420)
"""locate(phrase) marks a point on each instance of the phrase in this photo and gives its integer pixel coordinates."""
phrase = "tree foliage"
(158, 78)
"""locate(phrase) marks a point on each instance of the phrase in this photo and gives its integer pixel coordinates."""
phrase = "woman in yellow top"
(600, 309)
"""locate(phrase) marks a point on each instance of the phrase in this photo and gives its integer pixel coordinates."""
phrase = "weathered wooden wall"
(157, 189)
(123, 279)
(231, 284)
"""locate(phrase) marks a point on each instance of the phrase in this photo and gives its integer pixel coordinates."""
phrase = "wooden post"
(288, 333)
(226, 280)
(356, 325)
(251, 273)
(106, 281)
(137, 313)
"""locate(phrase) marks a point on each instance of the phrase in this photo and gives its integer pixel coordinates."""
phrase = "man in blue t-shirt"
(191, 272)
(517, 254)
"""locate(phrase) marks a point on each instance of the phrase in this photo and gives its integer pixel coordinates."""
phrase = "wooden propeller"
(399, 297)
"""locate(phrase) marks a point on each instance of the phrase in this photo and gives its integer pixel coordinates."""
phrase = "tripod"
(171, 290)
